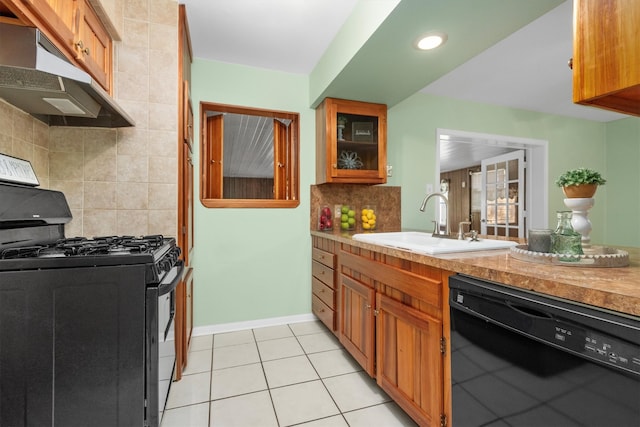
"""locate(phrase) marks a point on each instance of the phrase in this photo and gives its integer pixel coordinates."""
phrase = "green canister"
(565, 240)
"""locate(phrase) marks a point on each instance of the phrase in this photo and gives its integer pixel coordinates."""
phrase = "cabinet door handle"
(83, 49)
(368, 306)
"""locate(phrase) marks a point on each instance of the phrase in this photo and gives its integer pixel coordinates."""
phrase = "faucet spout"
(446, 204)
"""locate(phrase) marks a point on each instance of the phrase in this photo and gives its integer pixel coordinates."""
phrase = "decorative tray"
(596, 256)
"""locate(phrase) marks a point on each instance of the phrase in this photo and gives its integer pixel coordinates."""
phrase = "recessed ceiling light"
(431, 40)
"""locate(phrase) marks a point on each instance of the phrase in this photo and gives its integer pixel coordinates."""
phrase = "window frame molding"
(292, 172)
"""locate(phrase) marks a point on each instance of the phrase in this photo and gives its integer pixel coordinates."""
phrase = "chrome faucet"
(461, 232)
(436, 232)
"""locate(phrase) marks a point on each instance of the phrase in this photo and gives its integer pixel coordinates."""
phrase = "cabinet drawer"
(324, 313)
(323, 273)
(324, 257)
(322, 291)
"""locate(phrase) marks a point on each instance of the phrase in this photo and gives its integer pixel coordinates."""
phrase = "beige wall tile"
(22, 126)
(163, 143)
(100, 166)
(99, 139)
(132, 195)
(99, 222)
(133, 87)
(163, 37)
(139, 112)
(73, 191)
(64, 139)
(66, 166)
(163, 77)
(99, 195)
(132, 141)
(132, 222)
(137, 8)
(6, 119)
(6, 144)
(23, 150)
(133, 169)
(163, 12)
(163, 222)
(25, 137)
(163, 169)
(163, 196)
(40, 161)
(136, 32)
(40, 134)
(133, 59)
(100, 156)
(163, 116)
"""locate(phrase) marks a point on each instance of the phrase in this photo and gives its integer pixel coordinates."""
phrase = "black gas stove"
(87, 323)
(157, 252)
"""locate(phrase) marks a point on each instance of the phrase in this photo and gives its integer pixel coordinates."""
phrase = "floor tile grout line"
(266, 380)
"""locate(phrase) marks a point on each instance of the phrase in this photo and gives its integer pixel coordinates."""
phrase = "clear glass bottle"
(565, 240)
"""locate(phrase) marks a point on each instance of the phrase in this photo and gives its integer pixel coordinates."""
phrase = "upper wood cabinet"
(74, 27)
(606, 54)
(93, 45)
(351, 142)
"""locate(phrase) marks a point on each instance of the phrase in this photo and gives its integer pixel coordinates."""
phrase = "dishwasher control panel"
(612, 351)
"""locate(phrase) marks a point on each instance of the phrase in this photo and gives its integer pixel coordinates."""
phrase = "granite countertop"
(616, 288)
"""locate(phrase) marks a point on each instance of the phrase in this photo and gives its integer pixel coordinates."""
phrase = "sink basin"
(416, 241)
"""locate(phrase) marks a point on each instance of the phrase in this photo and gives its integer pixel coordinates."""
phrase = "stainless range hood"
(37, 78)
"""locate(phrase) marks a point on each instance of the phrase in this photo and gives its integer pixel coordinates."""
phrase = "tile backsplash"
(117, 181)
(385, 198)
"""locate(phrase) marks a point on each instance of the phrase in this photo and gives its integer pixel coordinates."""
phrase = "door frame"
(536, 170)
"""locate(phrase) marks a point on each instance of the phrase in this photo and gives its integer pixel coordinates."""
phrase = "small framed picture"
(17, 170)
(362, 131)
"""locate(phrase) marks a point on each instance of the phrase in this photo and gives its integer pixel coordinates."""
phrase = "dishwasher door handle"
(529, 311)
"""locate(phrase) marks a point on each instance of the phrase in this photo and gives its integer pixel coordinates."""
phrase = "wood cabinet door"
(351, 142)
(409, 360)
(58, 15)
(93, 45)
(357, 321)
(606, 54)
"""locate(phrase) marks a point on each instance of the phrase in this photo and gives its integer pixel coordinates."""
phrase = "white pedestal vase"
(580, 220)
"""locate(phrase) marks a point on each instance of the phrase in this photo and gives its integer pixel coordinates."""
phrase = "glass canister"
(368, 219)
(539, 240)
(347, 218)
(565, 240)
(325, 219)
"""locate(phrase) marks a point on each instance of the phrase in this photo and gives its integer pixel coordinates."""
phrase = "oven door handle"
(171, 279)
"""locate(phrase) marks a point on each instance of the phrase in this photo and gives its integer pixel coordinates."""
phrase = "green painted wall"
(412, 148)
(623, 182)
(255, 264)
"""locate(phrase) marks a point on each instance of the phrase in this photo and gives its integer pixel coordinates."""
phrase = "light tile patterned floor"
(287, 375)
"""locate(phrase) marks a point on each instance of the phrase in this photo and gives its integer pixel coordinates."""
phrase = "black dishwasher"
(522, 359)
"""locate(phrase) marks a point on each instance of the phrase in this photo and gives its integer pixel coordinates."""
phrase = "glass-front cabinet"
(351, 142)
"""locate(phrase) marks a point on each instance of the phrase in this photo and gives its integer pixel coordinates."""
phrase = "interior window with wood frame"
(249, 157)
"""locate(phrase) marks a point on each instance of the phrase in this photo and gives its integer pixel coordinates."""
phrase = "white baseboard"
(251, 324)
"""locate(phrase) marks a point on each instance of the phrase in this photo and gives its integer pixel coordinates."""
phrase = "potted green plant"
(580, 182)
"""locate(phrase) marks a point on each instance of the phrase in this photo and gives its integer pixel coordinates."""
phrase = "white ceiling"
(527, 70)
